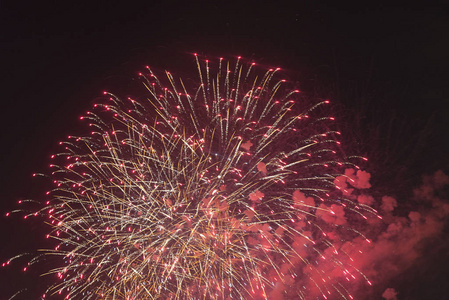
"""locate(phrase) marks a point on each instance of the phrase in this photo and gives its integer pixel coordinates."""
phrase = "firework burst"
(233, 188)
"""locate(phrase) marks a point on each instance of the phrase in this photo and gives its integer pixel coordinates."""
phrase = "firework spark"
(233, 188)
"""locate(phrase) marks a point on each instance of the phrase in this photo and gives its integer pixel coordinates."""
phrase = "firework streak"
(223, 189)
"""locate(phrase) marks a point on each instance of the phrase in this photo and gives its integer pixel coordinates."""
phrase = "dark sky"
(377, 59)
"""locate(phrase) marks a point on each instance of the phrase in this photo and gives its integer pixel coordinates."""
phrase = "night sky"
(386, 66)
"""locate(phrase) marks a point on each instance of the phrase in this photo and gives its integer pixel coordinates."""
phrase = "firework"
(235, 187)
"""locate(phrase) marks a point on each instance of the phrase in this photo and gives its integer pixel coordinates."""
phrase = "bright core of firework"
(226, 189)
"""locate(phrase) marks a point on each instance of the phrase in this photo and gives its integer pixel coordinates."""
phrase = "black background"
(381, 62)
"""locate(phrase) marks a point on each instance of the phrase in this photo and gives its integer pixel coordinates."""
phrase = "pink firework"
(233, 187)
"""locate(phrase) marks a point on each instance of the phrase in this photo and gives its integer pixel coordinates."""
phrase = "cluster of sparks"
(223, 190)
